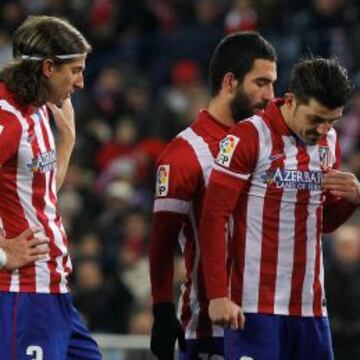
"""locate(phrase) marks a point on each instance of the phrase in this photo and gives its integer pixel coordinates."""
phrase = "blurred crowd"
(145, 81)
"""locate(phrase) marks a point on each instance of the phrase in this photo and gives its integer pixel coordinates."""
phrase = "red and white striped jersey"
(276, 181)
(28, 194)
(182, 177)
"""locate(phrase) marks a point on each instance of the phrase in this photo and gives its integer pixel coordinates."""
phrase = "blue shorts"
(204, 349)
(278, 337)
(43, 327)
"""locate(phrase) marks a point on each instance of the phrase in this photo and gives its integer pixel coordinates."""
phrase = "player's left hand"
(64, 117)
(342, 184)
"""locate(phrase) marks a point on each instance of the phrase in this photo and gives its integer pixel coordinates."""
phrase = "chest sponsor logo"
(227, 148)
(43, 162)
(162, 180)
(294, 179)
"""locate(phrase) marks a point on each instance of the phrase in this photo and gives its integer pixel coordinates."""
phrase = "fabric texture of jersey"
(278, 337)
(277, 252)
(26, 317)
(28, 195)
(183, 173)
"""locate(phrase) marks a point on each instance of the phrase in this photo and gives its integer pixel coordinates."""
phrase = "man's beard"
(241, 107)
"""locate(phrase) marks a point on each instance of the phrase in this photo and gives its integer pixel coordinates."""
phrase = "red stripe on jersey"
(54, 252)
(270, 234)
(317, 305)
(237, 252)
(14, 221)
(301, 216)
(27, 274)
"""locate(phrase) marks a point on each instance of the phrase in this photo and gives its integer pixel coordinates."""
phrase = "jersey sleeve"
(177, 182)
(238, 151)
(235, 162)
(336, 211)
(10, 133)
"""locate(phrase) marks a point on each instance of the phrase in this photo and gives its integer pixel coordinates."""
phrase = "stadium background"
(145, 81)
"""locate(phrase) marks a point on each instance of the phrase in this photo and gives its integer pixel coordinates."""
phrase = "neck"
(220, 110)
(286, 115)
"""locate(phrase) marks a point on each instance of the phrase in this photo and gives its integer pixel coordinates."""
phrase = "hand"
(24, 249)
(343, 185)
(64, 117)
(224, 312)
(165, 331)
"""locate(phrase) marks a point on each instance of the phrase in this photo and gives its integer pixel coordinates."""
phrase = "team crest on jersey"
(325, 158)
(293, 179)
(162, 180)
(43, 162)
(227, 148)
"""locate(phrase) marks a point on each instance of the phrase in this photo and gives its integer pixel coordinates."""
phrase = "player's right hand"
(165, 331)
(224, 312)
(24, 249)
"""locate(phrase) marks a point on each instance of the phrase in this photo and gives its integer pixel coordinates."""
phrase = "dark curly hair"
(43, 37)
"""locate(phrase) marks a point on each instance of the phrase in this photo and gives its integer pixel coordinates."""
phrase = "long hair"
(40, 38)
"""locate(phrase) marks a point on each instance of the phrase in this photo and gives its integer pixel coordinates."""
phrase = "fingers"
(28, 233)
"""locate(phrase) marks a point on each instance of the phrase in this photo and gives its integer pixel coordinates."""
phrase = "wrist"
(3, 258)
(163, 309)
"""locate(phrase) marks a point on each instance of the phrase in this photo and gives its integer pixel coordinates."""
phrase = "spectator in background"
(103, 301)
(343, 292)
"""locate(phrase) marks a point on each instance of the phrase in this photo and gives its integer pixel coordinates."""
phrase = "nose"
(324, 128)
(79, 83)
(268, 93)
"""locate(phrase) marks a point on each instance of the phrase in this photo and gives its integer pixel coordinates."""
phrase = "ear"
(289, 99)
(48, 67)
(229, 83)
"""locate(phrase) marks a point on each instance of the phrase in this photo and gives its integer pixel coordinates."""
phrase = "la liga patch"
(227, 148)
(162, 180)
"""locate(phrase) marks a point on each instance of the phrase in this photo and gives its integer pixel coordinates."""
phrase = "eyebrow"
(323, 119)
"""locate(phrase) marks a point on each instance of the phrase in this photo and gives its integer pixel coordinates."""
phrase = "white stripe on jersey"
(173, 205)
(286, 248)
(23, 184)
(206, 161)
(225, 171)
(202, 151)
(51, 212)
(254, 233)
(42, 273)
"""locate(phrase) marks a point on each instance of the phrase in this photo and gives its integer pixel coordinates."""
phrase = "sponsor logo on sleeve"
(162, 180)
(227, 148)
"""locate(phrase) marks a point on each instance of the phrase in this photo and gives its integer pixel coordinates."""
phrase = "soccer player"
(242, 73)
(277, 172)
(38, 320)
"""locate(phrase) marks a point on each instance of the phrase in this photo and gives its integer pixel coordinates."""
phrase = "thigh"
(204, 349)
(81, 346)
(310, 338)
(35, 327)
(259, 340)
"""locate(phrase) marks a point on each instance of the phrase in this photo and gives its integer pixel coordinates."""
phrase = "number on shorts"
(35, 350)
(205, 356)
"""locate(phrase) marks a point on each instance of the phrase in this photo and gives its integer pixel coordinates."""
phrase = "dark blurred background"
(145, 81)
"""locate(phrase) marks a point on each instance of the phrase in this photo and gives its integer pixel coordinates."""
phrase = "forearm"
(220, 201)
(65, 148)
(164, 234)
(335, 214)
